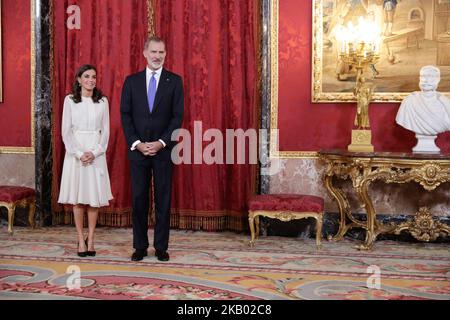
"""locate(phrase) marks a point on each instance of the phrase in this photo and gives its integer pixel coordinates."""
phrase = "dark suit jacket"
(167, 114)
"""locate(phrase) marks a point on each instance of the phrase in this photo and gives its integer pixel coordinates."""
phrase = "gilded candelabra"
(359, 49)
(360, 58)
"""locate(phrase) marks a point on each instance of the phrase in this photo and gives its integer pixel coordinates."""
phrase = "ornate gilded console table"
(429, 170)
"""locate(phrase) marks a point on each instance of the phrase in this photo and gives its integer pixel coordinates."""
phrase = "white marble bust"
(425, 112)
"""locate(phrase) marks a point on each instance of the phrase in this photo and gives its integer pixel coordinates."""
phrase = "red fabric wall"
(15, 110)
(324, 125)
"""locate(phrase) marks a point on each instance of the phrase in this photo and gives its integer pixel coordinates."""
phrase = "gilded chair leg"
(31, 214)
(319, 223)
(257, 227)
(11, 210)
(251, 223)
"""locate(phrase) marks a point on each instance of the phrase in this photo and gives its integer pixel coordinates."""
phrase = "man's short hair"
(154, 39)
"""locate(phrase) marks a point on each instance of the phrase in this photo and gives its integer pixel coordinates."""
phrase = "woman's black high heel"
(83, 253)
(89, 253)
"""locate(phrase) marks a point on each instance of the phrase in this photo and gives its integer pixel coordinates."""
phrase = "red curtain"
(111, 37)
(213, 44)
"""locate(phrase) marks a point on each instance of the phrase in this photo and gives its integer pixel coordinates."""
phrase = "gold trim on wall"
(151, 17)
(28, 150)
(274, 145)
(295, 155)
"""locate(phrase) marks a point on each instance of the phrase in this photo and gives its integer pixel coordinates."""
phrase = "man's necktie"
(151, 91)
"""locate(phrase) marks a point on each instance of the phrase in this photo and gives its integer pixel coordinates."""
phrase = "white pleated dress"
(85, 127)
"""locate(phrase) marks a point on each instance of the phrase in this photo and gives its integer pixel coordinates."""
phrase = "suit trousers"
(141, 175)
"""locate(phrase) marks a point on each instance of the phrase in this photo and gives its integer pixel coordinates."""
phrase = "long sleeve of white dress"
(101, 147)
(71, 144)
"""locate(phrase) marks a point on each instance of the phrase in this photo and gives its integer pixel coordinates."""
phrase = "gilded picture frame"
(419, 35)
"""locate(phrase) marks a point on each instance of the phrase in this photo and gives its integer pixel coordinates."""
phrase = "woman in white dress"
(85, 132)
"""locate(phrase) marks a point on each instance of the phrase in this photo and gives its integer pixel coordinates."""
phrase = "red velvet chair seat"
(13, 193)
(12, 196)
(285, 207)
(287, 202)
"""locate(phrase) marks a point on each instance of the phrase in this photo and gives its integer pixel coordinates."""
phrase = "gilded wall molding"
(27, 150)
(274, 75)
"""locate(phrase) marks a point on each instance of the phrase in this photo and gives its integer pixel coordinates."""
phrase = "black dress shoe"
(89, 253)
(81, 254)
(138, 255)
(162, 255)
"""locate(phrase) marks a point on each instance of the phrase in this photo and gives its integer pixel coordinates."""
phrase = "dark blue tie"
(151, 91)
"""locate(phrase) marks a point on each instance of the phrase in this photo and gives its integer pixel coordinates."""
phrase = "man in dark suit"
(151, 109)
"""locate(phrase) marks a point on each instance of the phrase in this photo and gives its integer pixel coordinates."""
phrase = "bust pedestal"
(426, 144)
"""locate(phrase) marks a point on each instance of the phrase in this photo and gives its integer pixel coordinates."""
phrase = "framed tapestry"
(414, 33)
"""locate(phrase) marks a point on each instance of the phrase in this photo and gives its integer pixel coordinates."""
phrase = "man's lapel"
(163, 84)
(143, 88)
